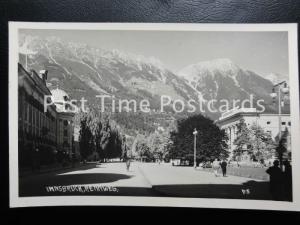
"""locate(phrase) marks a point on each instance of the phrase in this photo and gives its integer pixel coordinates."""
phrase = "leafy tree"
(98, 138)
(281, 149)
(158, 144)
(243, 140)
(262, 143)
(211, 141)
(144, 151)
(105, 139)
(141, 149)
(125, 153)
(86, 139)
(115, 144)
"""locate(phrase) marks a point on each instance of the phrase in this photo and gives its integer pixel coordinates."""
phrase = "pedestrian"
(216, 166)
(224, 167)
(287, 176)
(276, 181)
(128, 164)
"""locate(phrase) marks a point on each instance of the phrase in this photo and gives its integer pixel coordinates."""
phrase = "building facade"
(269, 122)
(42, 135)
(65, 123)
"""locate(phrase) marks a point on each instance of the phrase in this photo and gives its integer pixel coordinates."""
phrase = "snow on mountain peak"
(139, 60)
(79, 49)
(24, 45)
(222, 65)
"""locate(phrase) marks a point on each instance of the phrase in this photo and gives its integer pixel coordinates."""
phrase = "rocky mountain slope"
(82, 70)
(223, 79)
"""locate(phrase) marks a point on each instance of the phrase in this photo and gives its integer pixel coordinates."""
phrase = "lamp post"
(281, 89)
(195, 145)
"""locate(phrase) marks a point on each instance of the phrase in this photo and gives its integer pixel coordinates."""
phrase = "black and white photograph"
(154, 114)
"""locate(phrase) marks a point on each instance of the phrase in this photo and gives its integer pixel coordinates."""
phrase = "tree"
(125, 153)
(243, 140)
(86, 139)
(281, 149)
(262, 144)
(98, 138)
(211, 141)
(101, 134)
(114, 147)
(158, 144)
(141, 149)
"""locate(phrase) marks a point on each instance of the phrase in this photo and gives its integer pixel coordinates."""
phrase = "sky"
(261, 52)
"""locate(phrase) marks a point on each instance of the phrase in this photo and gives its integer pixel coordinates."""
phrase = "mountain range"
(83, 70)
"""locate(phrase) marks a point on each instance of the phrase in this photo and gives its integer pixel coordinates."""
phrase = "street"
(143, 179)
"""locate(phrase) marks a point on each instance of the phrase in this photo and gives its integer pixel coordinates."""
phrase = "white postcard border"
(16, 201)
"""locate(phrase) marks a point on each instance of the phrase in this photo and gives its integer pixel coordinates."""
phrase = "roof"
(244, 111)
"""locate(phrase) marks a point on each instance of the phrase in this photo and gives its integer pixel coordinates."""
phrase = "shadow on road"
(87, 178)
(56, 170)
(257, 190)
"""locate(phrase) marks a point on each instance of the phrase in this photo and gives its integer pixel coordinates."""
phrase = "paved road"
(188, 182)
(108, 179)
(143, 179)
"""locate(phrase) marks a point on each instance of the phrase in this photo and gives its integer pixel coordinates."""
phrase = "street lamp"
(281, 88)
(195, 145)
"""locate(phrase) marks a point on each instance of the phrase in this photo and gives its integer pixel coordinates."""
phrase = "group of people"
(280, 181)
(216, 165)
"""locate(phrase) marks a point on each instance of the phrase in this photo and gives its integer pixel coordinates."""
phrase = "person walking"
(216, 166)
(276, 181)
(224, 167)
(127, 164)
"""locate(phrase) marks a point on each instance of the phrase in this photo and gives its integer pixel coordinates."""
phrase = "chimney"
(43, 75)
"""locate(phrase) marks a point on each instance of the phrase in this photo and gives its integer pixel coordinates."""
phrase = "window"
(26, 107)
(36, 117)
(289, 123)
(66, 122)
(283, 123)
(30, 114)
(65, 132)
(268, 122)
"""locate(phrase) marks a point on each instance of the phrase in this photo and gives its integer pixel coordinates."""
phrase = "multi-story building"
(64, 123)
(269, 122)
(41, 133)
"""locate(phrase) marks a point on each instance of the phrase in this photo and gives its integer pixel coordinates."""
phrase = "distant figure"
(216, 166)
(128, 164)
(224, 167)
(276, 181)
(287, 176)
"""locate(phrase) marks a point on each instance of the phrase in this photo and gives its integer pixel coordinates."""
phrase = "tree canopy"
(254, 141)
(211, 141)
(100, 134)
